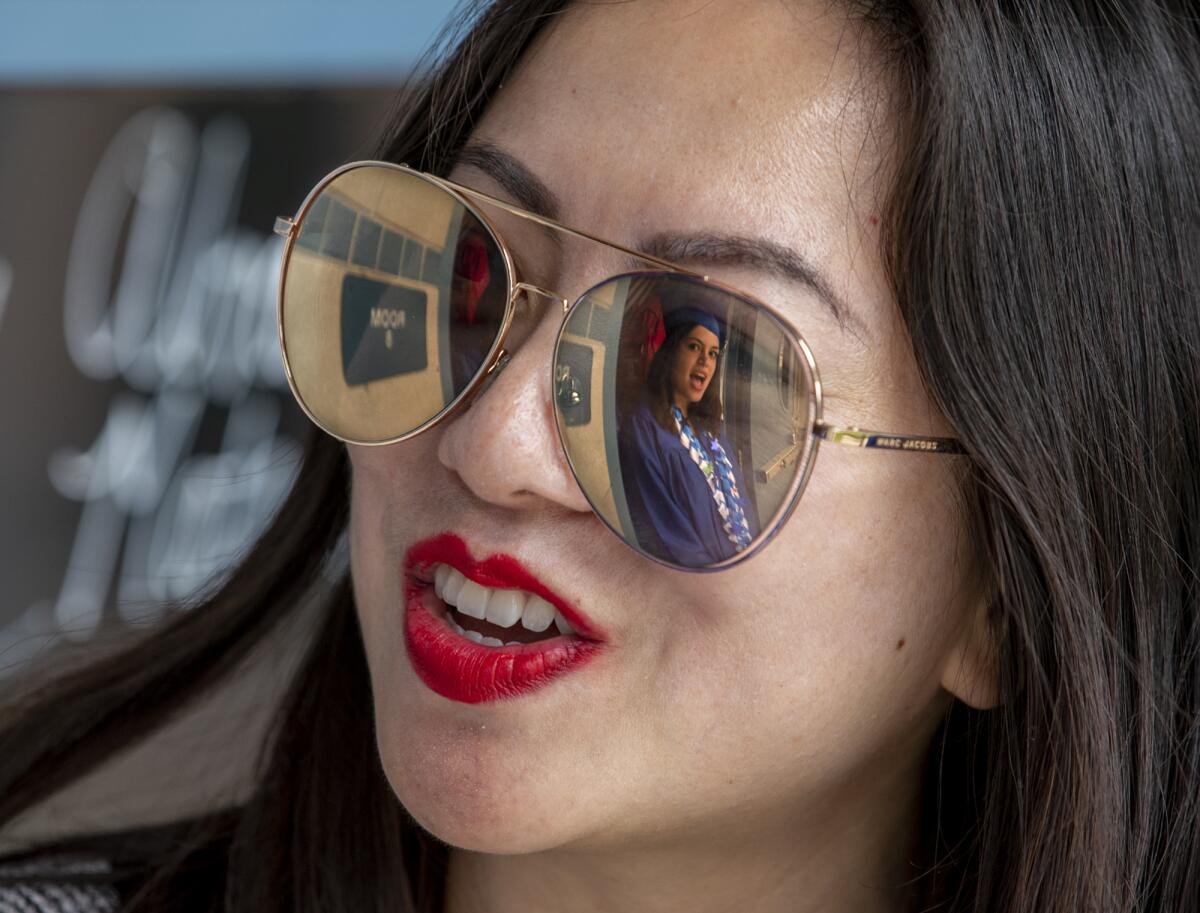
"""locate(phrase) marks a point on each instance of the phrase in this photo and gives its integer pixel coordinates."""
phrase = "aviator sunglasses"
(689, 412)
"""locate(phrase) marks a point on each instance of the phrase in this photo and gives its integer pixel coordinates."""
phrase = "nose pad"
(505, 447)
(503, 357)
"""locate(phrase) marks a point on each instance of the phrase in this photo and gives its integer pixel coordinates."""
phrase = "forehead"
(700, 103)
(756, 118)
(702, 335)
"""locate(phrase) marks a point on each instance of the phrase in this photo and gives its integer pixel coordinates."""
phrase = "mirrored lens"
(685, 411)
(394, 294)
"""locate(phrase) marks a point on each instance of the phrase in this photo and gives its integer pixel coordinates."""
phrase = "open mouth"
(495, 617)
(698, 379)
(483, 630)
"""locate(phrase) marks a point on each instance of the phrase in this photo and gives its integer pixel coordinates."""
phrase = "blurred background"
(146, 147)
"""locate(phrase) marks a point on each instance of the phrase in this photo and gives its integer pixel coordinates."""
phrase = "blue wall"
(214, 42)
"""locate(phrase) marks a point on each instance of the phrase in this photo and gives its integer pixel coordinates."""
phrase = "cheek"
(371, 492)
(381, 487)
(827, 649)
(880, 571)
(374, 588)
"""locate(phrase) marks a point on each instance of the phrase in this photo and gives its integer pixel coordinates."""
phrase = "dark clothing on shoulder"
(50, 883)
(102, 873)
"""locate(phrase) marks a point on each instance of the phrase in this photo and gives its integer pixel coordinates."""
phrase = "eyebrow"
(731, 250)
(757, 254)
(525, 186)
(701, 341)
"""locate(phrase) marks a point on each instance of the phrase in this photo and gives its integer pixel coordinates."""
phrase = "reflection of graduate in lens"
(685, 491)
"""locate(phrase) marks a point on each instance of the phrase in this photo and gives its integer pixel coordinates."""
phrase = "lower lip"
(462, 670)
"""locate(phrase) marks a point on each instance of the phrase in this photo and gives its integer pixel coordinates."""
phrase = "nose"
(505, 446)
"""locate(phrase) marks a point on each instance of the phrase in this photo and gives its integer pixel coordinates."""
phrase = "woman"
(683, 481)
(961, 683)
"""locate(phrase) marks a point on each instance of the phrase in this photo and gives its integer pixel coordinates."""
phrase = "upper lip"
(498, 571)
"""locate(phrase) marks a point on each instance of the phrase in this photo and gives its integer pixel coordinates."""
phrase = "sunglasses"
(689, 412)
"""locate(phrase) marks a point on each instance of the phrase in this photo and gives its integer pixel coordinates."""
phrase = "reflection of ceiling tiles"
(401, 201)
(334, 230)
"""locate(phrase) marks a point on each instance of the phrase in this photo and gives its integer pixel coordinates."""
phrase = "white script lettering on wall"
(166, 294)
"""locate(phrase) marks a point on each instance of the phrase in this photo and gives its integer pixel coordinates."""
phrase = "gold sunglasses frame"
(497, 356)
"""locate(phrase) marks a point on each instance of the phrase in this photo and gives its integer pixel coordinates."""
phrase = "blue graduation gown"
(671, 506)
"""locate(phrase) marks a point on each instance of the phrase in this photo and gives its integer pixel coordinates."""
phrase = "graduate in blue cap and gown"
(686, 495)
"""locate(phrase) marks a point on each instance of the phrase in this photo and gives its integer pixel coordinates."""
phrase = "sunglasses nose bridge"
(540, 292)
(520, 291)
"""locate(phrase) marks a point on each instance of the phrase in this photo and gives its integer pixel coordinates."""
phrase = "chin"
(472, 792)
(481, 816)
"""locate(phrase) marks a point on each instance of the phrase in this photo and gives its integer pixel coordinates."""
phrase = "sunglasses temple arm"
(859, 437)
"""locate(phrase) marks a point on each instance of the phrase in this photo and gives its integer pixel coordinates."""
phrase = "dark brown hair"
(1042, 238)
(704, 415)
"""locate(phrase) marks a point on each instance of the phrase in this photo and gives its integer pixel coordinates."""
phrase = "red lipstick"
(465, 671)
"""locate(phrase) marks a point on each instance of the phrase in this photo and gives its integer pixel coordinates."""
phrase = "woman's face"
(693, 364)
(785, 703)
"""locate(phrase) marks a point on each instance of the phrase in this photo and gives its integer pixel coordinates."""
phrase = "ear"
(971, 669)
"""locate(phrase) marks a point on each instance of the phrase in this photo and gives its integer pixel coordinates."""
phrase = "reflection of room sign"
(383, 330)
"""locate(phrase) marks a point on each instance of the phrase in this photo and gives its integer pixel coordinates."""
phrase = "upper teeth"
(500, 607)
